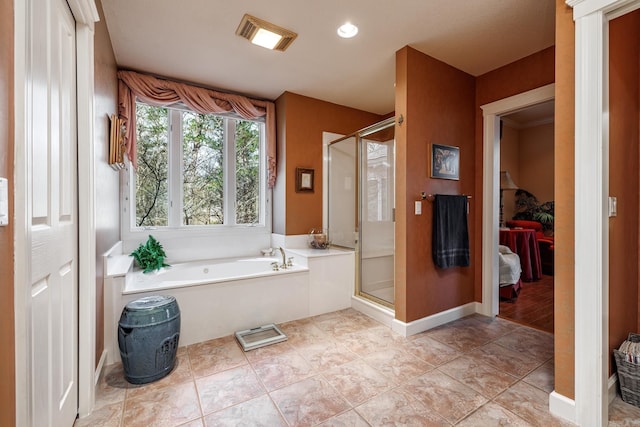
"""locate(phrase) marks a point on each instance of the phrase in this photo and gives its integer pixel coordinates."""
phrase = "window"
(196, 170)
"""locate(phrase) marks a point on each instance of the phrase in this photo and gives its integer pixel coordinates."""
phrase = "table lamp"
(506, 183)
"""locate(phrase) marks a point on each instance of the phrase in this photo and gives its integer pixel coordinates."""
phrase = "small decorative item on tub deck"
(318, 238)
(150, 256)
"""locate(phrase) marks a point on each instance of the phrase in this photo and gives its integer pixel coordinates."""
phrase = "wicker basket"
(628, 375)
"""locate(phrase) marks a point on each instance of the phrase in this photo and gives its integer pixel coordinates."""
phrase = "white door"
(52, 312)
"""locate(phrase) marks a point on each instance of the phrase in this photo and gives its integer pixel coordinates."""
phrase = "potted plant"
(150, 255)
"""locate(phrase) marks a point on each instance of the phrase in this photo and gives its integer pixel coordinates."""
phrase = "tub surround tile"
(357, 381)
(451, 399)
(165, 407)
(491, 415)
(257, 412)
(542, 377)
(531, 404)
(399, 407)
(283, 369)
(512, 362)
(309, 402)
(228, 388)
(482, 378)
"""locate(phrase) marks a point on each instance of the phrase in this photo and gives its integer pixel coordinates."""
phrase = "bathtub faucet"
(284, 258)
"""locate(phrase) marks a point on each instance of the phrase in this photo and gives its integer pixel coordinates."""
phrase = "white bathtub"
(219, 297)
(204, 273)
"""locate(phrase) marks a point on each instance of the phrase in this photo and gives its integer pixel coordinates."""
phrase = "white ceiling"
(194, 40)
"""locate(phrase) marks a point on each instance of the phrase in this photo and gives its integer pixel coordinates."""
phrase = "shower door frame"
(359, 163)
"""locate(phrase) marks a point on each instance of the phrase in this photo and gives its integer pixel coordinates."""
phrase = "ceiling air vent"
(264, 33)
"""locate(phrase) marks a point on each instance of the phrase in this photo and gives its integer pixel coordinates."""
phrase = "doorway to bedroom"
(526, 225)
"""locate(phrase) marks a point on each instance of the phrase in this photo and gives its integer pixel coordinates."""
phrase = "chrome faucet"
(284, 258)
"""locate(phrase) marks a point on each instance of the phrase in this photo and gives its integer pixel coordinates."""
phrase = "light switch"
(418, 207)
(613, 207)
(4, 201)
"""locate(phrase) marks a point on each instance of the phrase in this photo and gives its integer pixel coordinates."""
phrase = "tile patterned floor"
(344, 369)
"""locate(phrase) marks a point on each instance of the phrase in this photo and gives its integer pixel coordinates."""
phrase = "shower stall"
(361, 206)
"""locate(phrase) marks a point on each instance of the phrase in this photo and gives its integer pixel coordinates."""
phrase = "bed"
(510, 271)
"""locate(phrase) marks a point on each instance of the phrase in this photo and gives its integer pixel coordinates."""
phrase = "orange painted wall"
(528, 73)
(7, 335)
(624, 105)
(564, 333)
(301, 121)
(438, 107)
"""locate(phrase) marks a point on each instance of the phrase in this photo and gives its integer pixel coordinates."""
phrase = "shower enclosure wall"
(361, 206)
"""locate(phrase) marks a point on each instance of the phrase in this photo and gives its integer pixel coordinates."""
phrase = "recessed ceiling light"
(347, 30)
(265, 34)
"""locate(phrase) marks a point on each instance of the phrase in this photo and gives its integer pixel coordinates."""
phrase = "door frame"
(85, 14)
(490, 182)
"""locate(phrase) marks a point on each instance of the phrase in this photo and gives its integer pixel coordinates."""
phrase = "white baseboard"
(100, 367)
(613, 387)
(377, 312)
(562, 406)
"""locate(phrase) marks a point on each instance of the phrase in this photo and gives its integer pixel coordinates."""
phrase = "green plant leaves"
(150, 256)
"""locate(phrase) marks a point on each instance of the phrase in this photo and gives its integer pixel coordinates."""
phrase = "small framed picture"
(304, 180)
(445, 162)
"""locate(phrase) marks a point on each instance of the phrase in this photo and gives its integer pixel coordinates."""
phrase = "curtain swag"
(160, 92)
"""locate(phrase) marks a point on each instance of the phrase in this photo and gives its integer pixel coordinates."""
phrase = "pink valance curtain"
(160, 92)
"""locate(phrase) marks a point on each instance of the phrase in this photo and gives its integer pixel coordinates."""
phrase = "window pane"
(247, 172)
(202, 156)
(151, 176)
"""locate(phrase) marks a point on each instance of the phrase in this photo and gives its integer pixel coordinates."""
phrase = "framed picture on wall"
(304, 180)
(445, 162)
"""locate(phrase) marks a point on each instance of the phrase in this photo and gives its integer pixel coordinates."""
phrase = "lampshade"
(506, 183)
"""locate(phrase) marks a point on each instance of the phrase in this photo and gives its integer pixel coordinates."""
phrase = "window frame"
(175, 230)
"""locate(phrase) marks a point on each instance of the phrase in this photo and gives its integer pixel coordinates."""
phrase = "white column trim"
(490, 171)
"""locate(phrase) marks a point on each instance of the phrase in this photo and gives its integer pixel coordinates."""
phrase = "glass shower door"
(377, 210)
(342, 219)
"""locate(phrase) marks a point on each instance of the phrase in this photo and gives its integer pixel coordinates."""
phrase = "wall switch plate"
(4, 201)
(418, 208)
(613, 206)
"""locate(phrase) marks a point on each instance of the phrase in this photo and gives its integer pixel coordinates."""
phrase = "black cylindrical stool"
(148, 334)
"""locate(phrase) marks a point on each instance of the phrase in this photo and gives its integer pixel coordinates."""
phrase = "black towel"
(450, 232)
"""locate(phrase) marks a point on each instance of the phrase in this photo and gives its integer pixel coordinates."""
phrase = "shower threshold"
(250, 339)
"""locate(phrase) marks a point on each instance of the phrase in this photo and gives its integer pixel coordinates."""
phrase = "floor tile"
(431, 351)
(398, 365)
(357, 381)
(165, 407)
(491, 415)
(482, 378)
(347, 419)
(512, 362)
(536, 344)
(181, 373)
(195, 423)
(309, 402)
(104, 416)
(543, 377)
(326, 354)
(112, 386)
(399, 407)
(268, 351)
(228, 388)
(451, 399)
(460, 336)
(369, 340)
(623, 414)
(283, 369)
(529, 403)
(213, 356)
(258, 412)
(300, 332)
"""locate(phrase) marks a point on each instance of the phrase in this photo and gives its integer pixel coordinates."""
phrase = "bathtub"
(220, 297)
(204, 273)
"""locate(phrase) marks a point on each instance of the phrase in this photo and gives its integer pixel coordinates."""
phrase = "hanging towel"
(450, 233)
